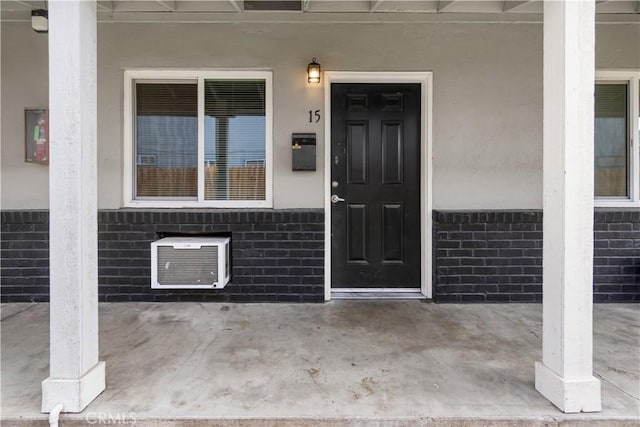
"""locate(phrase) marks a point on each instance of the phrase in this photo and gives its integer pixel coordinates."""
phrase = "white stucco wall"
(487, 115)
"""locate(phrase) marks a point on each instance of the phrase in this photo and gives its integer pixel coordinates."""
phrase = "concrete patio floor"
(356, 363)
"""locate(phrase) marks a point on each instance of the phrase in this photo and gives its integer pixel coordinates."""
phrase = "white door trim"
(425, 79)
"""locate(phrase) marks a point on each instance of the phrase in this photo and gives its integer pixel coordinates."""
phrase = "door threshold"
(377, 293)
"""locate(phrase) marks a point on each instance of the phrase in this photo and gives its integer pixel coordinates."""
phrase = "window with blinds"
(201, 139)
(611, 140)
(234, 139)
(166, 131)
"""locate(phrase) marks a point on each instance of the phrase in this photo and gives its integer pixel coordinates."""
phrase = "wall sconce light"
(313, 72)
(40, 20)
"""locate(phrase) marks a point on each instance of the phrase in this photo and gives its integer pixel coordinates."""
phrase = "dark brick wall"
(492, 256)
(488, 256)
(616, 263)
(496, 256)
(24, 256)
(277, 254)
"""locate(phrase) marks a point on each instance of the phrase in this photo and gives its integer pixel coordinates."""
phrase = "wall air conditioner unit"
(190, 263)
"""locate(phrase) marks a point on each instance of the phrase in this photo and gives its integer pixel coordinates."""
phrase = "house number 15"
(314, 114)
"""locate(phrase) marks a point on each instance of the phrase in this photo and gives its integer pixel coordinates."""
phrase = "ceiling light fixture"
(40, 20)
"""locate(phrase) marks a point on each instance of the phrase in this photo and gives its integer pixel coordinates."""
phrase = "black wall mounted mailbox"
(303, 151)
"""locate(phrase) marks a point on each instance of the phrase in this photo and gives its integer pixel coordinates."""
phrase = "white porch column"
(565, 375)
(76, 375)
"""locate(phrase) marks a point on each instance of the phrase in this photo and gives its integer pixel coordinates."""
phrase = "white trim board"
(425, 79)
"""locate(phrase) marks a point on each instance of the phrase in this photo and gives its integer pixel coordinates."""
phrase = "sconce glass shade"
(313, 72)
(40, 20)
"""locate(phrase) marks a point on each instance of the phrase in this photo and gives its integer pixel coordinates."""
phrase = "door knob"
(336, 199)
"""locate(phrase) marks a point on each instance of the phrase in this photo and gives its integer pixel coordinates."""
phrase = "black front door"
(375, 168)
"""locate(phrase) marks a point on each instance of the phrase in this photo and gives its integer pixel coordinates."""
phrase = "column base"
(570, 396)
(74, 394)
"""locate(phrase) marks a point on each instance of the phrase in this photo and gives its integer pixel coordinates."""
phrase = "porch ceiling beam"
(510, 5)
(375, 4)
(445, 6)
(101, 5)
(236, 5)
(24, 3)
(608, 3)
(169, 5)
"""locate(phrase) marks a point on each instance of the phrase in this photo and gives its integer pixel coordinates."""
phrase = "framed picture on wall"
(36, 145)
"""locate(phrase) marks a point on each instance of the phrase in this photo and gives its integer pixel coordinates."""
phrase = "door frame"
(425, 79)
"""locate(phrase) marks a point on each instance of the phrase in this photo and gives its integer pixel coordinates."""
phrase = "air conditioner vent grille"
(187, 267)
(190, 262)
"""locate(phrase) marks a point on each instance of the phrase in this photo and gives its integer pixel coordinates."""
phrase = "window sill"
(174, 204)
(616, 203)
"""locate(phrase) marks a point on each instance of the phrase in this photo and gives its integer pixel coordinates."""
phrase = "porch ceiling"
(20, 9)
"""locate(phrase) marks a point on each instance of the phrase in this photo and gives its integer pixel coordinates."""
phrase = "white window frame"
(131, 76)
(632, 77)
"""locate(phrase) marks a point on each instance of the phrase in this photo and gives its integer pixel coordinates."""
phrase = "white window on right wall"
(617, 136)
